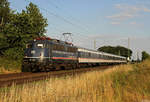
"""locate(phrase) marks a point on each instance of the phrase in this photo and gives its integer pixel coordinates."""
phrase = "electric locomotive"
(45, 54)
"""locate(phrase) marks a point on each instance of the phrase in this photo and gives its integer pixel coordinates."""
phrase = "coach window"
(111, 57)
(104, 56)
(92, 55)
(68, 49)
(95, 55)
(86, 54)
(62, 48)
(79, 54)
(58, 47)
(73, 49)
(89, 54)
(82, 54)
(54, 47)
(99, 56)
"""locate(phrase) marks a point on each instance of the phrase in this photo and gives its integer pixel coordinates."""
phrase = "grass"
(9, 66)
(124, 83)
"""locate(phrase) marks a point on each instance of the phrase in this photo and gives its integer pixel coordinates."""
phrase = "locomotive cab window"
(40, 45)
(28, 45)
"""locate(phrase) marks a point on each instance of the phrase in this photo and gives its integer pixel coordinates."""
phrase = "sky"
(107, 22)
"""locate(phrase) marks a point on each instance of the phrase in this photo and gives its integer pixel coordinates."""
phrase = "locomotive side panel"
(64, 56)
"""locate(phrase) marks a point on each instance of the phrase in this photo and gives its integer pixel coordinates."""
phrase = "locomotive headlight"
(33, 52)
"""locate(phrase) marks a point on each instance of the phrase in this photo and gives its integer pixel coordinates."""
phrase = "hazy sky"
(109, 22)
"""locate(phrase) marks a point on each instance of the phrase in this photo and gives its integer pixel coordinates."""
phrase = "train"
(45, 54)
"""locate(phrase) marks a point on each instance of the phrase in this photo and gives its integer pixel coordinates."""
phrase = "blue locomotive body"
(45, 54)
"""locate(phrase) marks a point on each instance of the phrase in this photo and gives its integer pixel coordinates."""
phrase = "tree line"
(122, 51)
(17, 28)
(145, 55)
(118, 50)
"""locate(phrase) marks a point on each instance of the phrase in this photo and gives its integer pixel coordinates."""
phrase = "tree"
(38, 22)
(145, 55)
(28, 24)
(4, 12)
(21, 28)
(118, 50)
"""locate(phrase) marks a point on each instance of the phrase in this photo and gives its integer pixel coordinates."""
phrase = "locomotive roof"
(53, 41)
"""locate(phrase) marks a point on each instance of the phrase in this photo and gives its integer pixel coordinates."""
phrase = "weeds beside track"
(21, 78)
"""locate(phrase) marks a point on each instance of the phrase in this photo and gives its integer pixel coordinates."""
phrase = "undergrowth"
(8, 65)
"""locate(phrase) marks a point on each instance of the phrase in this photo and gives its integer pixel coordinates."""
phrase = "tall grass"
(124, 83)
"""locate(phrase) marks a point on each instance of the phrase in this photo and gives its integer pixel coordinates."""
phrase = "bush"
(7, 64)
(14, 53)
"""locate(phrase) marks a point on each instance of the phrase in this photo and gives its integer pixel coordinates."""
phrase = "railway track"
(7, 80)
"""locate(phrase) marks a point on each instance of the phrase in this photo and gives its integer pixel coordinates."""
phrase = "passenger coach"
(92, 57)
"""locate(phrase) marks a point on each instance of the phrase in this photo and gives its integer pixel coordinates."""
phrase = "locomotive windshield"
(29, 45)
(35, 45)
(40, 45)
(36, 49)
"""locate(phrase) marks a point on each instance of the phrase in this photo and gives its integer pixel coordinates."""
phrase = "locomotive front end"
(36, 56)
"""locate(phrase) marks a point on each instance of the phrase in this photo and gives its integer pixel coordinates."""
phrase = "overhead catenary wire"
(61, 18)
(84, 26)
(80, 36)
(58, 16)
